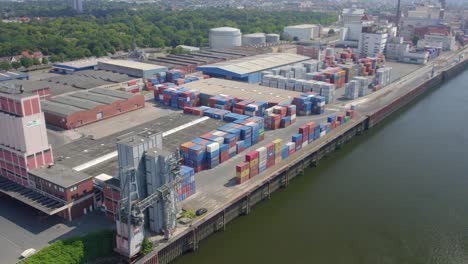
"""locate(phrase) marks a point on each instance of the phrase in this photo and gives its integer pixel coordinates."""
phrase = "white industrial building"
(448, 41)
(398, 50)
(302, 32)
(372, 43)
(340, 31)
(225, 37)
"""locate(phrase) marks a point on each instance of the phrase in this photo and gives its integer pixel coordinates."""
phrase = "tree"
(26, 62)
(36, 61)
(146, 246)
(16, 65)
(415, 40)
(331, 32)
(54, 58)
(45, 60)
(5, 65)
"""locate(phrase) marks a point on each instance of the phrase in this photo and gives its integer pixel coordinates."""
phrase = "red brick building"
(80, 108)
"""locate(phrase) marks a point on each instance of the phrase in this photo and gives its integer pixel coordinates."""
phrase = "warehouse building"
(132, 68)
(13, 75)
(249, 69)
(302, 32)
(80, 108)
(74, 66)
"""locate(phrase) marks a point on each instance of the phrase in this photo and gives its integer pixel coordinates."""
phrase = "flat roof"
(85, 150)
(302, 26)
(10, 75)
(30, 197)
(60, 175)
(256, 63)
(132, 64)
(246, 91)
(78, 64)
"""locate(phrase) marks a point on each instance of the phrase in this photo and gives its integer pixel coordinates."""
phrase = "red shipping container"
(253, 172)
(242, 166)
(290, 152)
(238, 111)
(251, 156)
(270, 161)
(261, 137)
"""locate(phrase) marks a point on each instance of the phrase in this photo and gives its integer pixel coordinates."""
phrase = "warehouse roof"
(11, 75)
(246, 91)
(113, 93)
(132, 64)
(76, 102)
(60, 175)
(246, 65)
(58, 108)
(99, 98)
(78, 64)
(302, 26)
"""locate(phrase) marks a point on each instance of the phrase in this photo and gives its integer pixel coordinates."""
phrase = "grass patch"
(188, 214)
(76, 250)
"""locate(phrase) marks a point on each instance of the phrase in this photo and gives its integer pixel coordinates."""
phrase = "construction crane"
(130, 215)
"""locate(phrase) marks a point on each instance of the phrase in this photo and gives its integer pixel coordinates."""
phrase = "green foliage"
(16, 65)
(331, 32)
(179, 50)
(5, 65)
(26, 62)
(45, 60)
(36, 61)
(76, 250)
(146, 246)
(415, 40)
(188, 214)
(101, 33)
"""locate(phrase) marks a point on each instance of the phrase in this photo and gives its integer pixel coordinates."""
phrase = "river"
(398, 195)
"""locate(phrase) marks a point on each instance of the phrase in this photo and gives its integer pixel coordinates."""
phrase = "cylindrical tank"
(253, 39)
(272, 38)
(225, 37)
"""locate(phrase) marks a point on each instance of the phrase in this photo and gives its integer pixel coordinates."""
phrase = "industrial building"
(77, 109)
(131, 68)
(302, 32)
(225, 38)
(74, 66)
(13, 75)
(27, 168)
(77, 81)
(373, 41)
(249, 69)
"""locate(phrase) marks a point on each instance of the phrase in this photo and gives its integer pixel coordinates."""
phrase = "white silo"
(272, 38)
(253, 39)
(225, 37)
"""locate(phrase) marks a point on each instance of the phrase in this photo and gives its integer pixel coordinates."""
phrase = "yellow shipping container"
(253, 162)
(242, 174)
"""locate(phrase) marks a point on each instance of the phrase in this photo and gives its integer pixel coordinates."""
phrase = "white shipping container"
(212, 147)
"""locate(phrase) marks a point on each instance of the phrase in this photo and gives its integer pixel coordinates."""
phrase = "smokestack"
(398, 16)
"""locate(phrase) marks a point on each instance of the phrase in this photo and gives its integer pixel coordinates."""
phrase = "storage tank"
(272, 38)
(253, 39)
(225, 37)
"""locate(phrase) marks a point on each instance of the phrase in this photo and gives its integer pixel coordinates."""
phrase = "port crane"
(130, 216)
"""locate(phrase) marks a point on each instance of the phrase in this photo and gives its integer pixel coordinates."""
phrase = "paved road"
(23, 227)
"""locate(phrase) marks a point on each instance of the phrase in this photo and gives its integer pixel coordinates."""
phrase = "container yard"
(244, 142)
(236, 200)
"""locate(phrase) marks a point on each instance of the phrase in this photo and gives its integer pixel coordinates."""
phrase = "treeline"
(74, 37)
